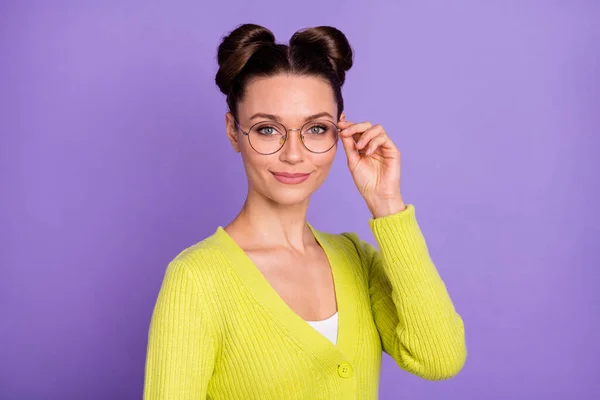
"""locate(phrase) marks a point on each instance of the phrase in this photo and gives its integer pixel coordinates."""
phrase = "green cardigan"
(220, 331)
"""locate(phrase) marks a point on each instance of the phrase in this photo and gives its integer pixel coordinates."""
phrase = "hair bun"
(236, 49)
(330, 42)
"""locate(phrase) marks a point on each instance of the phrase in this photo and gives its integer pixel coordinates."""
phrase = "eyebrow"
(278, 119)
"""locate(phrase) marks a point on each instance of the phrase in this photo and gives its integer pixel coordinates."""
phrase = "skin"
(271, 227)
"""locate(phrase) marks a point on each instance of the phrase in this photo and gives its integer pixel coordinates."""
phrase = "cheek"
(256, 164)
(325, 161)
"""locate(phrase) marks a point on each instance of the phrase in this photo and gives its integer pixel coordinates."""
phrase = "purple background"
(113, 158)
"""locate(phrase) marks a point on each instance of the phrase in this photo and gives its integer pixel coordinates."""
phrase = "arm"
(181, 342)
(412, 310)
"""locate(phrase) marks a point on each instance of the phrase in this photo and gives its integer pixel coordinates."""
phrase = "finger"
(351, 153)
(356, 130)
(382, 141)
(375, 144)
(352, 129)
(345, 124)
(368, 135)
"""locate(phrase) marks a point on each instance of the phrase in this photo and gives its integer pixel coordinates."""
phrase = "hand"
(374, 162)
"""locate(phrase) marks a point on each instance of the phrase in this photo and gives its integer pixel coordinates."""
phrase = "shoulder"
(200, 261)
(199, 252)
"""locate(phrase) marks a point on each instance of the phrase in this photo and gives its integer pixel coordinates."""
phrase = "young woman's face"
(292, 100)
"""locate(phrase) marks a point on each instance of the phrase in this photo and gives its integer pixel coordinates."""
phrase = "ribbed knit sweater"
(220, 331)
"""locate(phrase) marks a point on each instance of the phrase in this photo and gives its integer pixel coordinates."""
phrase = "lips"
(290, 178)
(288, 175)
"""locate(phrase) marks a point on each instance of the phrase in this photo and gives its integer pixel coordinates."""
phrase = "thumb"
(351, 152)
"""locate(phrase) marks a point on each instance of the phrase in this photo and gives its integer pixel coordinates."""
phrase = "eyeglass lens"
(269, 137)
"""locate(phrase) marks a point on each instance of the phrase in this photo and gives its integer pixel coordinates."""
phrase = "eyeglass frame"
(337, 134)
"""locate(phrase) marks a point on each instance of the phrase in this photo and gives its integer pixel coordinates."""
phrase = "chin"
(289, 197)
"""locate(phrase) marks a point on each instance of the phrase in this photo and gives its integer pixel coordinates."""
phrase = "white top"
(327, 327)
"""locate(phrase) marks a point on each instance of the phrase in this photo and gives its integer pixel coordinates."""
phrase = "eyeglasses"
(268, 137)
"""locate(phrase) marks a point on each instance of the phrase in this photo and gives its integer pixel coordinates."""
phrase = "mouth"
(289, 178)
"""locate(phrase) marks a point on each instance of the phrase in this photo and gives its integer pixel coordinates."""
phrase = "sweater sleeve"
(415, 317)
(181, 344)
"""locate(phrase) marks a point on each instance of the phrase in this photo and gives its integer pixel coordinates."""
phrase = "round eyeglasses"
(268, 137)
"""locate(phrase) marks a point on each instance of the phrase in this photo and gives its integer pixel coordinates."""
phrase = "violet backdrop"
(113, 158)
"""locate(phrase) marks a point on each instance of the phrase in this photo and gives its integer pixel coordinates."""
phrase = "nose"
(293, 148)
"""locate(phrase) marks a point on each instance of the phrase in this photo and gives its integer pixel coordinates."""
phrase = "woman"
(252, 311)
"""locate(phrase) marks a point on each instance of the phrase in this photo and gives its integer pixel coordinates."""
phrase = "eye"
(317, 129)
(267, 130)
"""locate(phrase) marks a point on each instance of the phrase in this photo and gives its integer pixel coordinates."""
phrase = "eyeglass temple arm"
(236, 123)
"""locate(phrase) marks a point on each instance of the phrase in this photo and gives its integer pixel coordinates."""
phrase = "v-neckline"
(301, 330)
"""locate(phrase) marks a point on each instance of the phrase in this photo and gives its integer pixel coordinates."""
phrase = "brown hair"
(250, 51)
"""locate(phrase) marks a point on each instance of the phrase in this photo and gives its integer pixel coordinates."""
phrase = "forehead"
(290, 97)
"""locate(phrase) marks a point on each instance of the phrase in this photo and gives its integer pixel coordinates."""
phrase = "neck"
(265, 223)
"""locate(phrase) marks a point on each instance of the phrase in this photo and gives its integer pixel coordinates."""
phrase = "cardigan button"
(345, 370)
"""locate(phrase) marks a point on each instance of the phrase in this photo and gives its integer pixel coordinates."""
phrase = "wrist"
(383, 208)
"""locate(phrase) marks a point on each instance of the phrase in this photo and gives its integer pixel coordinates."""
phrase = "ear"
(343, 116)
(232, 131)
